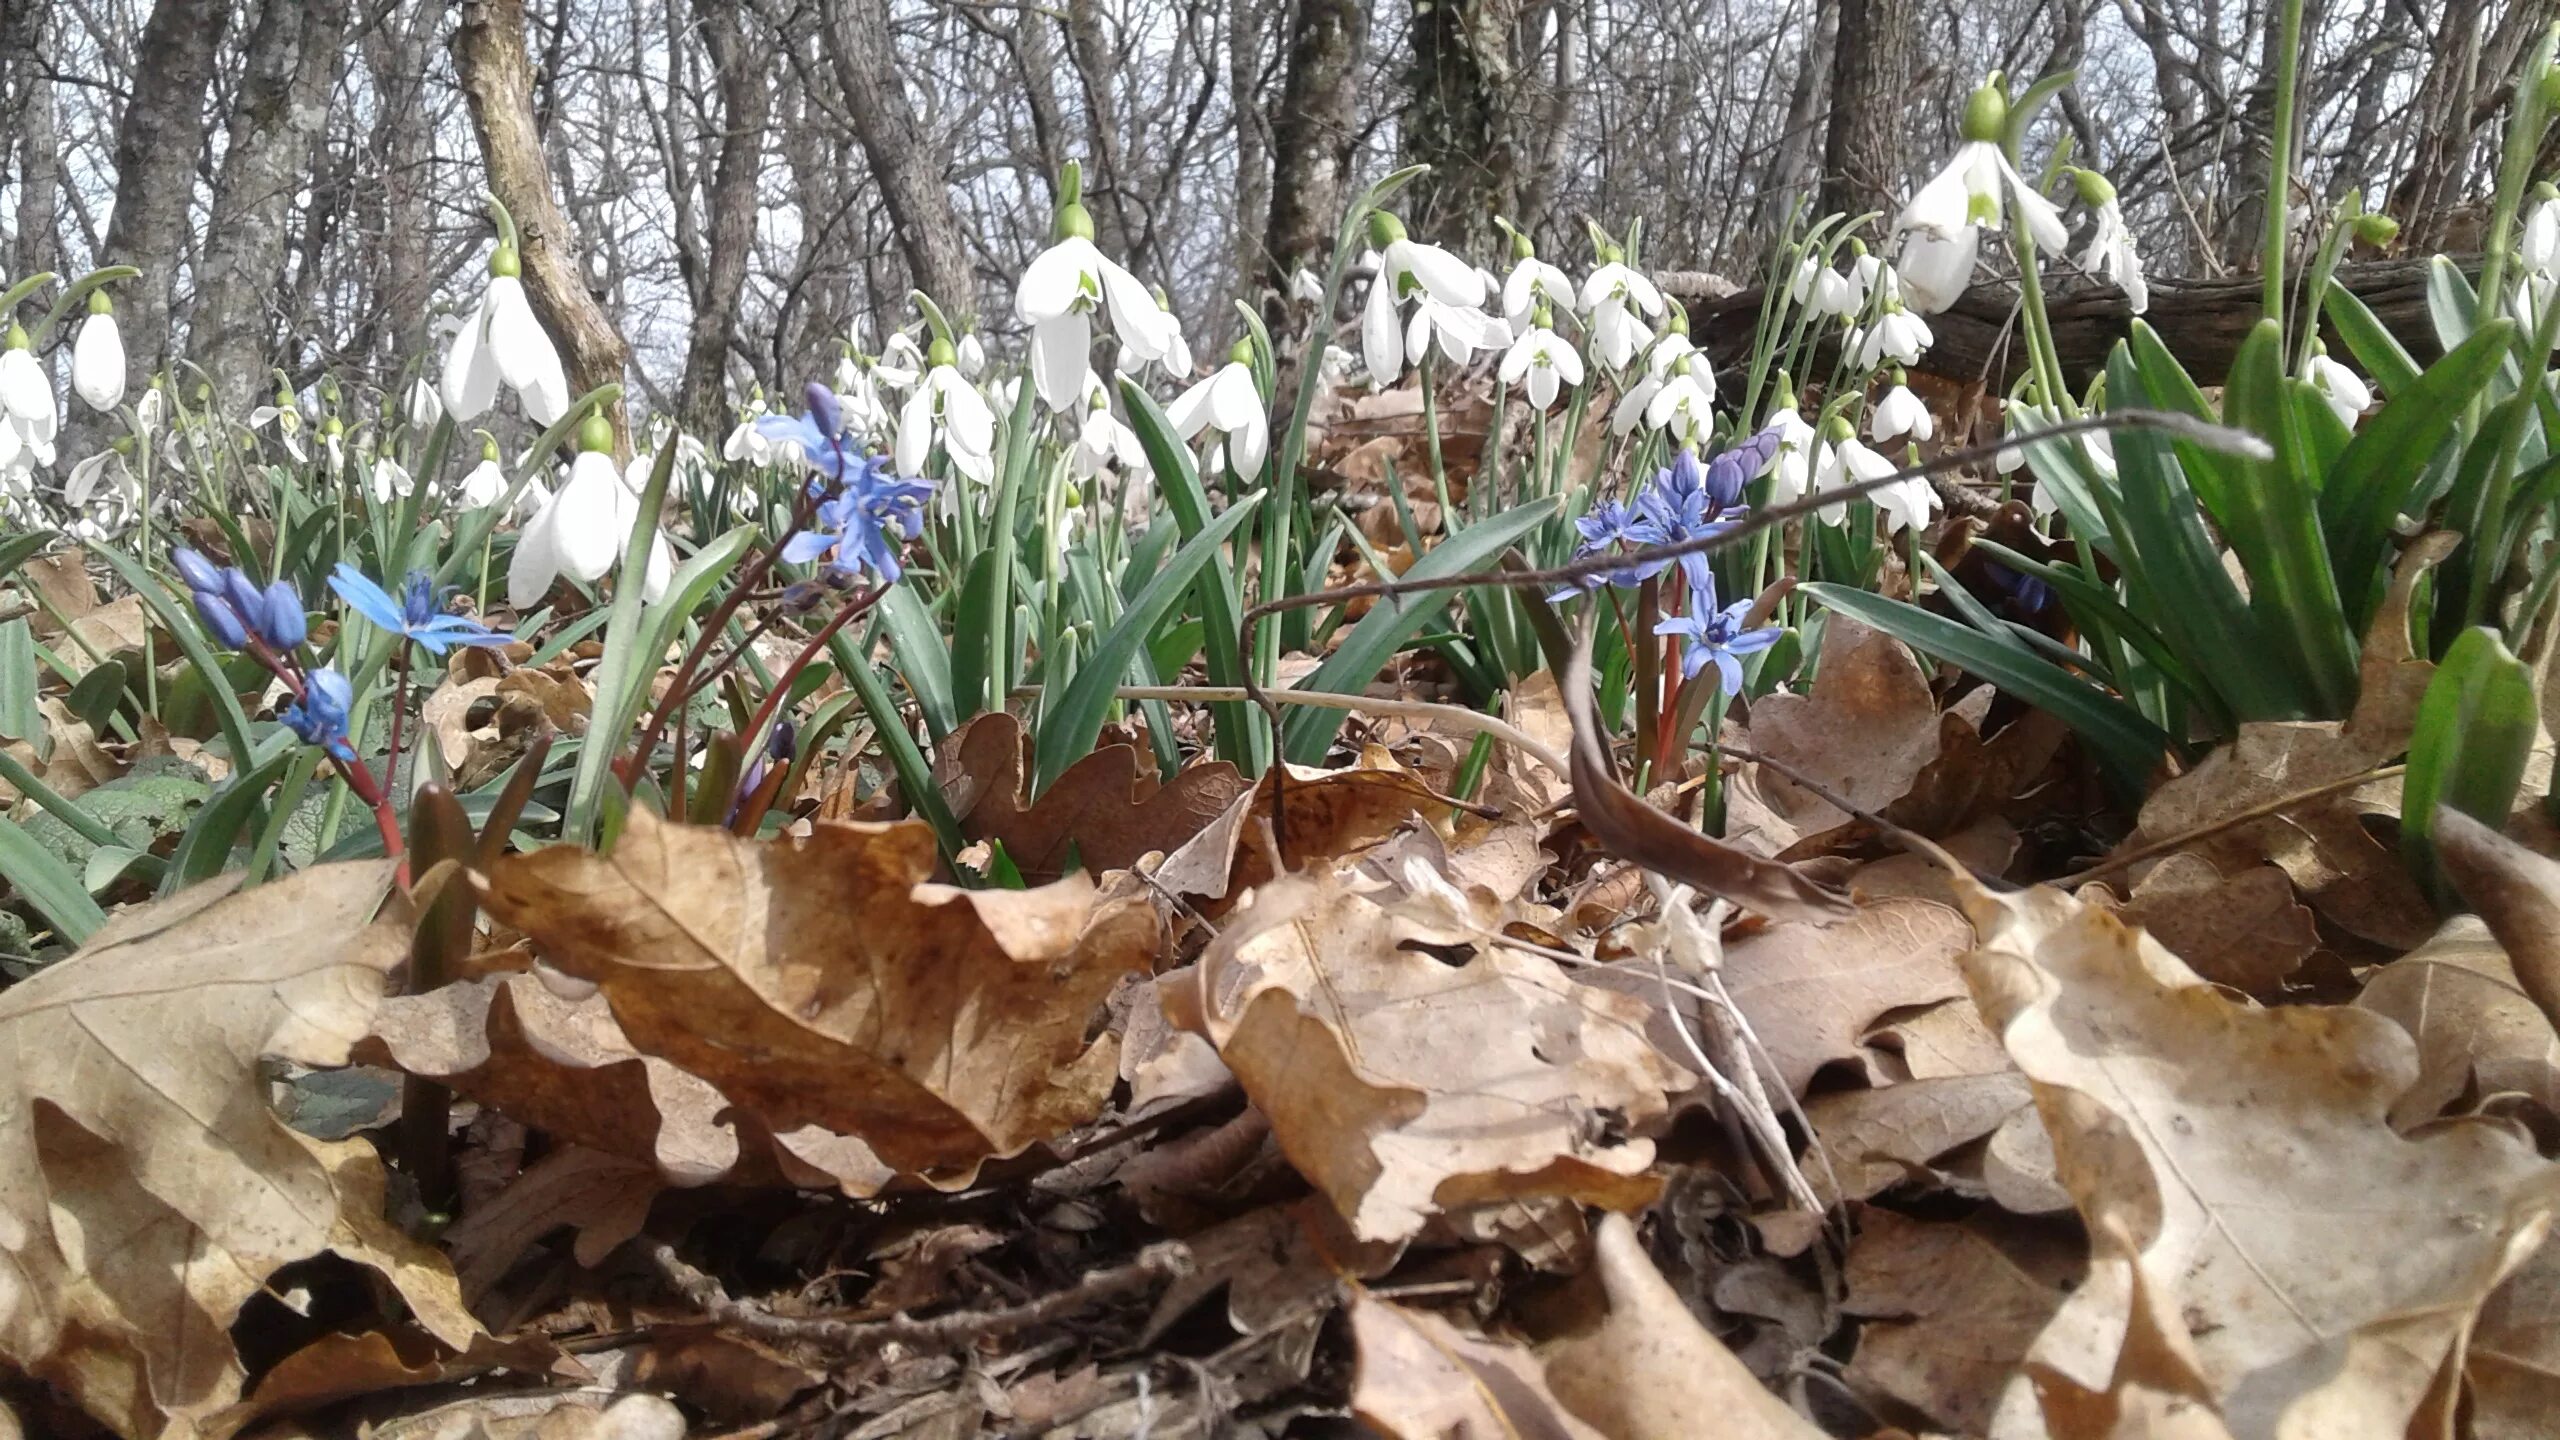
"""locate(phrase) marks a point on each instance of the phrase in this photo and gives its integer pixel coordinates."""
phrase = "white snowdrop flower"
(1534, 282)
(286, 417)
(2110, 251)
(1899, 336)
(500, 341)
(1408, 265)
(1973, 190)
(746, 443)
(947, 409)
(1846, 461)
(972, 356)
(1306, 285)
(104, 497)
(1821, 290)
(1457, 331)
(1103, 441)
(1790, 468)
(1898, 414)
(901, 363)
(1619, 301)
(580, 529)
(1229, 404)
(424, 408)
(1061, 291)
(1873, 277)
(1684, 405)
(1542, 363)
(97, 356)
(486, 483)
(2346, 392)
(1667, 350)
(26, 393)
(391, 481)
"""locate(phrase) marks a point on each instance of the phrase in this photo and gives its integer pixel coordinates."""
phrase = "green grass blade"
(2475, 731)
(2374, 481)
(47, 884)
(917, 643)
(1240, 737)
(2376, 350)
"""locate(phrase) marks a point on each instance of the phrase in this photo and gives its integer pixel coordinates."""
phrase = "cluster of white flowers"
(99, 490)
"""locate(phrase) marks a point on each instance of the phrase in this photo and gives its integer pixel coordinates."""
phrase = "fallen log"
(2203, 321)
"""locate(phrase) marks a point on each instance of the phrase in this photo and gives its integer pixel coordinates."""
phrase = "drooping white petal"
(587, 517)
(915, 431)
(525, 356)
(1189, 412)
(1450, 280)
(391, 481)
(1542, 386)
(470, 384)
(1936, 267)
(2044, 220)
(1900, 413)
(1061, 353)
(1515, 361)
(484, 486)
(1142, 325)
(965, 416)
(1056, 281)
(1234, 402)
(1381, 337)
(97, 363)
(24, 391)
(1942, 206)
(536, 563)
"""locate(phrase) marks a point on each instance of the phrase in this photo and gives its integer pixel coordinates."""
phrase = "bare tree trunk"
(1245, 26)
(284, 104)
(497, 83)
(157, 146)
(1106, 181)
(744, 99)
(29, 115)
(1313, 137)
(908, 164)
(396, 208)
(1862, 152)
(1459, 71)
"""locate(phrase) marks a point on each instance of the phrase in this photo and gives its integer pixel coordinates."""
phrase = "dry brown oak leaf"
(822, 980)
(1102, 812)
(1403, 1086)
(2322, 1266)
(146, 1191)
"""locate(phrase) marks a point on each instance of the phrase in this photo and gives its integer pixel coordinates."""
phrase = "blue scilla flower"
(1716, 636)
(863, 524)
(320, 716)
(414, 615)
(818, 434)
(235, 611)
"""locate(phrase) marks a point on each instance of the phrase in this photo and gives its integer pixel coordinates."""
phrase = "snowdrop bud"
(2093, 187)
(1384, 229)
(2376, 229)
(1986, 114)
(97, 357)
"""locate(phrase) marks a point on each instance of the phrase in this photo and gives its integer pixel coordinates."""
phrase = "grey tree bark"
(1314, 134)
(1459, 72)
(1863, 160)
(719, 272)
(291, 67)
(158, 141)
(26, 112)
(908, 164)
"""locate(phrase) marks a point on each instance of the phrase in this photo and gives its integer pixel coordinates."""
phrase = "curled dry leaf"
(1811, 992)
(821, 981)
(2517, 893)
(1877, 1139)
(1324, 814)
(1402, 1086)
(1865, 729)
(1632, 830)
(2478, 1033)
(2322, 1265)
(1422, 1378)
(1649, 1371)
(1103, 812)
(146, 1192)
(2246, 930)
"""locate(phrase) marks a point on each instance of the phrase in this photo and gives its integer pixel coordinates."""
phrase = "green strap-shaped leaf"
(2127, 745)
(1239, 739)
(1068, 731)
(2377, 476)
(1384, 630)
(2374, 347)
(2475, 731)
(916, 643)
(2273, 525)
(47, 884)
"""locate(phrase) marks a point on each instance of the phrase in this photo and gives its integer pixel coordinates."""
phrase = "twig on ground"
(2185, 838)
(1153, 1265)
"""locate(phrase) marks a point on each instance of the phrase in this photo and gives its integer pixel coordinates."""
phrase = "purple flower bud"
(281, 621)
(243, 594)
(221, 621)
(199, 572)
(784, 742)
(825, 409)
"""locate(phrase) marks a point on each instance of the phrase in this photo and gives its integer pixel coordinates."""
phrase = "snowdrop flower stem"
(2529, 116)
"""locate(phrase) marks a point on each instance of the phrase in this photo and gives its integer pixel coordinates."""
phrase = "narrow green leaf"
(206, 848)
(625, 672)
(2129, 746)
(2376, 350)
(1239, 729)
(2376, 479)
(916, 643)
(915, 774)
(47, 884)
(1072, 725)
(2475, 731)
(2273, 525)
(1395, 620)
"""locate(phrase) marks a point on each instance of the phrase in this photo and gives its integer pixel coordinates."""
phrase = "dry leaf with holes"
(146, 1191)
(1812, 992)
(2322, 1265)
(1102, 813)
(1403, 1086)
(2478, 1033)
(823, 981)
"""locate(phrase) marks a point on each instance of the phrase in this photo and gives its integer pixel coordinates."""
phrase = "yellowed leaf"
(1811, 991)
(1421, 1378)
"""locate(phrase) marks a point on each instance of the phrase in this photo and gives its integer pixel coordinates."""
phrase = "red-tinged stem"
(782, 682)
(399, 713)
(358, 776)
